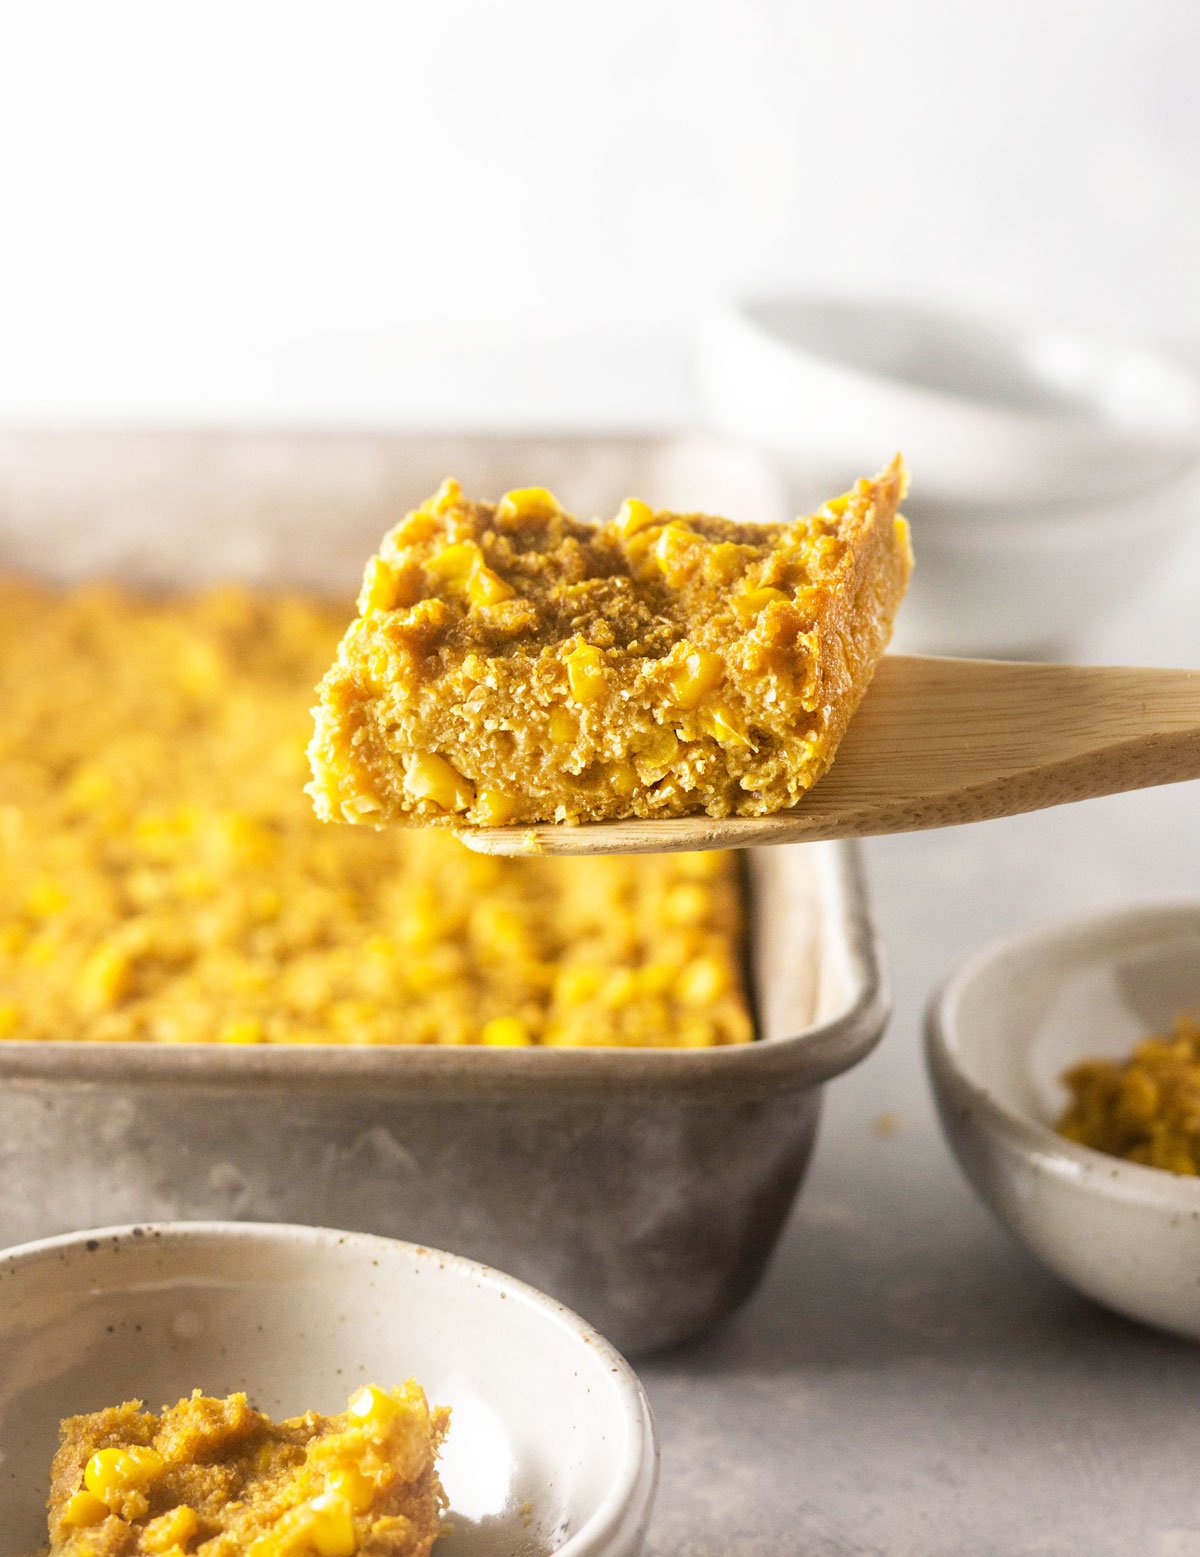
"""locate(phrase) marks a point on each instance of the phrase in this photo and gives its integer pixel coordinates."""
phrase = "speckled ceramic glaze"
(551, 1447)
(1005, 1027)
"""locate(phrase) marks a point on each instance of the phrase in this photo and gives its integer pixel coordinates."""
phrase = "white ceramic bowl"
(551, 1447)
(1033, 582)
(985, 411)
(1035, 452)
(1002, 1031)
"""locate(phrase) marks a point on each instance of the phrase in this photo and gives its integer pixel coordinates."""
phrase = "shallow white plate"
(1004, 1028)
(551, 1447)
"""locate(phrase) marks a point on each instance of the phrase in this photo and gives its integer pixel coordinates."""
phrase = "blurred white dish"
(1035, 452)
(551, 1447)
(986, 412)
(1032, 582)
(1002, 1031)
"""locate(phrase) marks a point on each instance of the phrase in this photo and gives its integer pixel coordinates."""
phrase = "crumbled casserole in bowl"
(216, 1478)
(163, 878)
(1145, 1108)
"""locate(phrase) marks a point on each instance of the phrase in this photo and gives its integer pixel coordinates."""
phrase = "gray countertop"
(908, 1382)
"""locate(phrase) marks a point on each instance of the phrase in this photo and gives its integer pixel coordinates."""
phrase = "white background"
(485, 211)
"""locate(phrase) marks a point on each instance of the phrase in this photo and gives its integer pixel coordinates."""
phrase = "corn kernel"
(486, 588)
(585, 672)
(82, 1510)
(564, 726)
(330, 1528)
(703, 980)
(756, 600)
(619, 988)
(494, 808)
(10, 1018)
(244, 839)
(12, 939)
(430, 777)
(202, 669)
(418, 526)
(686, 903)
(576, 986)
(359, 807)
(171, 1531)
(379, 591)
(655, 978)
(371, 1404)
(45, 897)
(700, 671)
(659, 747)
(91, 787)
(505, 1032)
(724, 562)
(455, 563)
(1140, 1094)
(246, 1029)
(725, 727)
(623, 778)
(675, 552)
(106, 977)
(528, 503)
(112, 1474)
(353, 1485)
(447, 496)
(634, 515)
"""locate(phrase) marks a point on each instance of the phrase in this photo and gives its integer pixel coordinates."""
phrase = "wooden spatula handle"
(939, 741)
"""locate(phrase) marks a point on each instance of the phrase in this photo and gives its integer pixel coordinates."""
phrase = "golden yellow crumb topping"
(163, 878)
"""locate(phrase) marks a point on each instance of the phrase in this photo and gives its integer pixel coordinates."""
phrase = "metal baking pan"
(644, 1188)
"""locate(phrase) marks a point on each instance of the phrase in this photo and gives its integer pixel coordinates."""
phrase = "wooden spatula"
(937, 742)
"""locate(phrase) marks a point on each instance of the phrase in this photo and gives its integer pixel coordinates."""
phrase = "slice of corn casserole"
(216, 1478)
(513, 664)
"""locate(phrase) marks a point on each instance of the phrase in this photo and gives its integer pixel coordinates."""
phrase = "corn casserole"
(512, 664)
(216, 1478)
(163, 878)
(1145, 1108)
